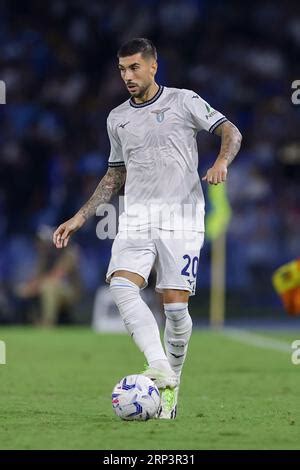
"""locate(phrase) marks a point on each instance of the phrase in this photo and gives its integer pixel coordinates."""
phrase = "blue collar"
(147, 103)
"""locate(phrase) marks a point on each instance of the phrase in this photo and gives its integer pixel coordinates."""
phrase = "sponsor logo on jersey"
(210, 113)
(123, 125)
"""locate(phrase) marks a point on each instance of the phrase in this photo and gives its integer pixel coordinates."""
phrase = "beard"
(139, 91)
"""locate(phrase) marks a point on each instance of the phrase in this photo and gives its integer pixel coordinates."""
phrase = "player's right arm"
(109, 185)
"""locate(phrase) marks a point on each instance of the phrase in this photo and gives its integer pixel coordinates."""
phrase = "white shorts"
(173, 254)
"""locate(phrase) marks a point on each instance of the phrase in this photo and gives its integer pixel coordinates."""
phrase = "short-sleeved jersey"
(156, 141)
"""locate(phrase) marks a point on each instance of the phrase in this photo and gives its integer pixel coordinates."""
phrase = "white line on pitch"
(253, 339)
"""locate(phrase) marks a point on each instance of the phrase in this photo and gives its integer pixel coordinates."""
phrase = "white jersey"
(156, 141)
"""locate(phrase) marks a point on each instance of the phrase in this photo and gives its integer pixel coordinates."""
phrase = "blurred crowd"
(58, 60)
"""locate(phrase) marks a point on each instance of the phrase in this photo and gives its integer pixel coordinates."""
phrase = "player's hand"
(62, 234)
(216, 174)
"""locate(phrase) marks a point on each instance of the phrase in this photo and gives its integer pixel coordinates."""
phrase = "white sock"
(178, 331)
(139, 321)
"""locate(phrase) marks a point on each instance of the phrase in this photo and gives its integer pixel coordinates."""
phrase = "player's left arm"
(231, 139)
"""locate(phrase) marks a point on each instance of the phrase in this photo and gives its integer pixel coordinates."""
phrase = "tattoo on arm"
(231, 141)
(110, 185)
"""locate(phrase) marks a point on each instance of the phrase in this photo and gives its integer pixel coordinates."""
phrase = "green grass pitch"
(55, 393)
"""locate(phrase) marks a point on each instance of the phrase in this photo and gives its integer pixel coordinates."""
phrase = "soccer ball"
(136, 397)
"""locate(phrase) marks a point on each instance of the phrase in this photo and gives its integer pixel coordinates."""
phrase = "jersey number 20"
(190, 262)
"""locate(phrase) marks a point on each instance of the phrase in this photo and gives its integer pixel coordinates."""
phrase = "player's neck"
(148, 95)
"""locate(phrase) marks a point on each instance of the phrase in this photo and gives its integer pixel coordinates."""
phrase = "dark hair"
(134, 46)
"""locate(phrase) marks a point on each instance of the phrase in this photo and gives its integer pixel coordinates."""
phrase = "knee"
(123, 291)
(172, 296)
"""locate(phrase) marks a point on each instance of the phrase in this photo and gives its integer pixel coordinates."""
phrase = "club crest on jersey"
(160, 114)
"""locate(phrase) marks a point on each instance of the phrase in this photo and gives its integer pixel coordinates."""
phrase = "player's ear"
(154, 67)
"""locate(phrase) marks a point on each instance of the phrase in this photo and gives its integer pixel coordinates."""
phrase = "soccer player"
(154, 152)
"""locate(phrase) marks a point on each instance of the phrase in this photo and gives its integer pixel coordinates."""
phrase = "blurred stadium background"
(58, 60)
